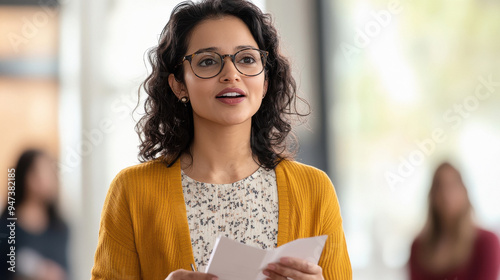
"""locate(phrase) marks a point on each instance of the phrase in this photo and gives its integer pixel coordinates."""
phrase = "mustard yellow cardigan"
(144, 232)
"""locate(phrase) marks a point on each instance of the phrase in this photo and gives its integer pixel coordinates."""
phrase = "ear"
(177, 87)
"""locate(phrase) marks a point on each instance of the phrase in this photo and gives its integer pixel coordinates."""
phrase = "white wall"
(296, 23)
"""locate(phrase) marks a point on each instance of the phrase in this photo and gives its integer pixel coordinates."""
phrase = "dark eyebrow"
(210, 49)
(246, 47)
(214, 49)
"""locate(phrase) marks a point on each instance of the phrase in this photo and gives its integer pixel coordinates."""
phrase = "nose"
(229, 72)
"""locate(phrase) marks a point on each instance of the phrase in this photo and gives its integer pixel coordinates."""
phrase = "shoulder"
(487, 239)
(487, 249)
(415, 247)
(141, 170)
(143, 178)
(295, 168)
(305, 180)
(297, 172)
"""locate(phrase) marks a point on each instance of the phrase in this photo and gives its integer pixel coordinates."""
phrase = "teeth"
(230, 94)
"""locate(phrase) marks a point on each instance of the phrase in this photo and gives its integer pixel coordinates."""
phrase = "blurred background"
(396, 87)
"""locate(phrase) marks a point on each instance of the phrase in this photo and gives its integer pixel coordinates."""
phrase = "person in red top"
(451, 246)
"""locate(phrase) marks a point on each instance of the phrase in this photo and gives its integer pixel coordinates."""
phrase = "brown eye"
(207, 62)
(247, 60)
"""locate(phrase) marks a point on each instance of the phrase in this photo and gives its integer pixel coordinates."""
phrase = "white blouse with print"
(246, 211)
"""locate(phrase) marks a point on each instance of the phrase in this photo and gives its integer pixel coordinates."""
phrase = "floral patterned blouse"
(246, 211)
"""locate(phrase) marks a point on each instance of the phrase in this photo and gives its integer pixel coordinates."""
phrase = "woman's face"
(450, 197)
(42, 180)
(225, 35)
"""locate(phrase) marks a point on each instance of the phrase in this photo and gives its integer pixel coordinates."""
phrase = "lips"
(231, 93)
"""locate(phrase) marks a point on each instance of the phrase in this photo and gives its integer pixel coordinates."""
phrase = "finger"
(285, 271)
(182, 274)
(195, 275)
(273, 275)
(301, 265)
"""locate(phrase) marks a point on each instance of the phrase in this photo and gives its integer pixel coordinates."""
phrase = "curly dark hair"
(166, 130)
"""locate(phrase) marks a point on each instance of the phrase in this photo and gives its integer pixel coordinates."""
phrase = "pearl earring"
(184, 99)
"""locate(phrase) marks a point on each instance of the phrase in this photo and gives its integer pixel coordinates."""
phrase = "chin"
(235, 121)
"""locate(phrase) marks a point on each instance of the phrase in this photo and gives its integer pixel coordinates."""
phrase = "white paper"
(233, 260)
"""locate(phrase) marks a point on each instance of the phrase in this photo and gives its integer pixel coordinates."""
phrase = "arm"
(335, 258)
(488, 263)
(414, 270)
(326, 220)
(116, 256)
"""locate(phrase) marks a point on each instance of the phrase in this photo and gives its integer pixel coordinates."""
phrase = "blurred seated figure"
(451, 246)
(41, 236)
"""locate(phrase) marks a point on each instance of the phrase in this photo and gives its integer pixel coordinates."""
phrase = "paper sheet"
(233, 260)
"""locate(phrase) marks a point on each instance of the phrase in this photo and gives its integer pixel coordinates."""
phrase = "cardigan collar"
(282, 181)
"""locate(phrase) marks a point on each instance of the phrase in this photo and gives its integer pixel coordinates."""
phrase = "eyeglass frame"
(263, 55)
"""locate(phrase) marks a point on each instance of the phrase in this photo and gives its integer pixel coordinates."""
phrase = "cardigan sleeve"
(116, 255)
(335, 258)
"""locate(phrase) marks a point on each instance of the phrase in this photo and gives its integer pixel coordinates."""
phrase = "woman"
(220, 98)
(451, 246)
(41, 236)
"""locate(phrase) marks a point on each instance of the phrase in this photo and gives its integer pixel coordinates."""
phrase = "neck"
(220, 154)
(33, 203)
(33, 215)
(457, 227)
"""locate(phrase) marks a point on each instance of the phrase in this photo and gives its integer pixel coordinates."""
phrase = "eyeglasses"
(205, 65)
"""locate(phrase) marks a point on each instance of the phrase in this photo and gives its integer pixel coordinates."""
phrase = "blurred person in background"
(41, 235)
(451, 246)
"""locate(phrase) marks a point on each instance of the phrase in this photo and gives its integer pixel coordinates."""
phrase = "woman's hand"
(293, 268)
(182, 274)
